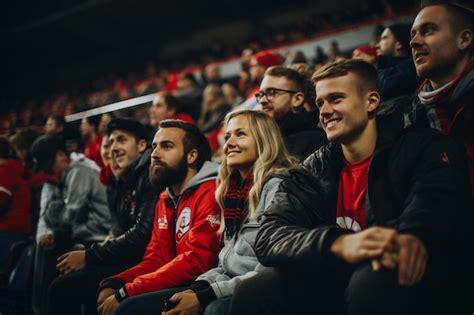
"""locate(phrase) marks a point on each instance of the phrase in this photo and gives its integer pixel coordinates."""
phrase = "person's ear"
(192, 156)
(297, 100)
(373, 101)
(398, 46)
(465, 39)
(142, 145)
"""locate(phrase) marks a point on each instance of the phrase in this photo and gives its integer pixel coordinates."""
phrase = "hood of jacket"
(207, 172)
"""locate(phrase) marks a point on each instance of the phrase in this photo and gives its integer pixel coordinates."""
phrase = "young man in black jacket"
(132, 200)
(370, 225)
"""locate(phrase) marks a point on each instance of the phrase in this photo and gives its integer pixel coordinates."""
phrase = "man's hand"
(71, 261)
(188, 304)
(368, 244)
(412, 257)
(109, 306)
(46, 240)
(104, 294)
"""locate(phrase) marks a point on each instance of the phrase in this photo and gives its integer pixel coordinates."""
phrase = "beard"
(166, 176)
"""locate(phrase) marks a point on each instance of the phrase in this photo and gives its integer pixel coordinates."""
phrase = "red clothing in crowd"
(183, 245)
(15, 198)
(92, 150)
(350, 213)
(184, 117)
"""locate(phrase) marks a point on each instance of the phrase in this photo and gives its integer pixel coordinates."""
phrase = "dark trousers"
(76, 293)
(152, 303)
(349, 291)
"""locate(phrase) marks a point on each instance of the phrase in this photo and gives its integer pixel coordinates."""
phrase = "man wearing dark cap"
(74, 210)
(131, 200)
(395, 66)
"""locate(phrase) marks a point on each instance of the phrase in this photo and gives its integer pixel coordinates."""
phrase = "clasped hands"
(385, 248)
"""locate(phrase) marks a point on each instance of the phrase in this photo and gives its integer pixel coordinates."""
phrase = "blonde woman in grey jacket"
(254, 156)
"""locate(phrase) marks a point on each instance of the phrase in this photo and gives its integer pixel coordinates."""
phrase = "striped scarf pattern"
(236, 203)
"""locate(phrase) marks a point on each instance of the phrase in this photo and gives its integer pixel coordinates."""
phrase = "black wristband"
(206, 296)
(121, 294)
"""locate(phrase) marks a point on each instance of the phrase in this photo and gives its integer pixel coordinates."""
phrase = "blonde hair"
(272, 159)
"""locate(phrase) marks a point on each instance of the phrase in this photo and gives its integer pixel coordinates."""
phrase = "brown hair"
(368, 77)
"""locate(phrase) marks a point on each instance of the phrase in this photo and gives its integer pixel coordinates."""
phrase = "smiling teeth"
(332, 123)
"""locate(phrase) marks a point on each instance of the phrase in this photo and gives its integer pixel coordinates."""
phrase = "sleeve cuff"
(121, 294)
(113, 283)
(199, 285)
(206, 296)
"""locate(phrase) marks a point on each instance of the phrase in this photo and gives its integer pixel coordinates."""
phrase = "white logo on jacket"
(183, 223)
(348, 223)
(163, 223)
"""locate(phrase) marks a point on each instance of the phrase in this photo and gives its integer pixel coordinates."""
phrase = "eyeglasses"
(270, 94)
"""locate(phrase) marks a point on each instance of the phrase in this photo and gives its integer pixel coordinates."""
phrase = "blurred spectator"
(320, 58)
(231, 94)
(397, 74)
(214, 108)
(74, 210)
(104, 121)
(334, 53)
(260, 62)
(21, 143)
(282, 95)
(295, 56)
(15, 200)
(189, 93)
(212, 74)
(92, 138)
(166, 106)
(54, 125)
(366, 53)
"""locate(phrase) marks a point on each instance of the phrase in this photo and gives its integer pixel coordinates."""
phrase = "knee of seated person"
(372, 292)
(219, 306)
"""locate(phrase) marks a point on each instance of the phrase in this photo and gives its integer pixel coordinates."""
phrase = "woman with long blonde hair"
(254, 157)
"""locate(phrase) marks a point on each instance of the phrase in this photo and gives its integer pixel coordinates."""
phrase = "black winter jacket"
(301, 133)
(133, 209)
(418, 184)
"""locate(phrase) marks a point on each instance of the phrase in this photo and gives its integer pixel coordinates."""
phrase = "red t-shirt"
(350, 213)
(92, 150)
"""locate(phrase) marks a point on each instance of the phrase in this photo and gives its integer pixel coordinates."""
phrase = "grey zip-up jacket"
(237, 260)
(81, 206)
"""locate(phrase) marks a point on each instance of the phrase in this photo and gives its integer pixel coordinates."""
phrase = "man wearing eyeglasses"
(282, 96)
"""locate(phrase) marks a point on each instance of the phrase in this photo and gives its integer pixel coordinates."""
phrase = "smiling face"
(125, 148)
(343, 108)
(435, 46)
(240, 147)
(282, 102)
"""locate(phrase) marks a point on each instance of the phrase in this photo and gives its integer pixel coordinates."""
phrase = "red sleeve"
(7, 186)
(201, 248)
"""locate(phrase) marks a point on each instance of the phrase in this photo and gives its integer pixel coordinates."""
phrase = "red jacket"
(15, 198)
(178, 252)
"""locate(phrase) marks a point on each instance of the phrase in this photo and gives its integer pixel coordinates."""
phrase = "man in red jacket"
(184, 241)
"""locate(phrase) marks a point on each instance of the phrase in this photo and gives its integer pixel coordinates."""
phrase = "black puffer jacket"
(133, 208)
(418, 184)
